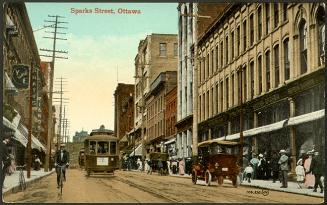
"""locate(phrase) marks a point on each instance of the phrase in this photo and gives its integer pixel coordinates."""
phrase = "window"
(175, 49)
(221, 55)
(321, 35)
(221, 96)
(226, 45)
(244, 35)
(238, 39)
(232, 84)
(303, 46)
(212, 61)
(204, 107)
(207, 65)
(212, 102)
(200, 103)
(217, 57)
(285, 11)
(227, 93)
(113, 148)
(276, 58)
(251, 30)
(286, 59)
(232, 50)
(252, 79)
(207, 105)
(163, 49)
(239, 80)
(244, 84)
(268, 70)
(276, 17)
(200, 70)
(217, 98)
(267, 18)
(259, 23)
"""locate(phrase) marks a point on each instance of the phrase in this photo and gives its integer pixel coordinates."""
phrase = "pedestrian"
(5, 158)
(283, 163)
(160, 166)
(309, 180)
(300, 173)
(181, 167)
(254, 161)
(317, 170)
(248, 171)
(37, 163)
(139, 164)
(275, 166)
(174, 165)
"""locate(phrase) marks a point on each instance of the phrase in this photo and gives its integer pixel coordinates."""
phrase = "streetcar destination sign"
(102, 161)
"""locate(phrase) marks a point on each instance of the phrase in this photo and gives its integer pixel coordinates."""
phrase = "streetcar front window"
(92, 147)
(103, 147)
(113, 148)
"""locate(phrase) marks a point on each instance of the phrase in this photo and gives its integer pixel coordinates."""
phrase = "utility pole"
(29, 143)
(54, 51)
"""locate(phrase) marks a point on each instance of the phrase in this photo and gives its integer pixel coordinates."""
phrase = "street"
(128, 186)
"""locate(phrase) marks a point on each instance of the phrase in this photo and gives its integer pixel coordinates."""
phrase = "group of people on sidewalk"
(309, 169)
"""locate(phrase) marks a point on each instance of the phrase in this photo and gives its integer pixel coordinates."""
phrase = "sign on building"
(20, 76)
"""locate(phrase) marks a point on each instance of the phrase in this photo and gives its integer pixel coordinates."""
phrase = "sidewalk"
(11, 182)
(292, 186)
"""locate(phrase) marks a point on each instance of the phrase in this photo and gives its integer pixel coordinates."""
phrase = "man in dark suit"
(317, 170)
(61, 159)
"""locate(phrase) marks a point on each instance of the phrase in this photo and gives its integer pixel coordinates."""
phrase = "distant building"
(170, 122)
(80, 136)
(156, 53)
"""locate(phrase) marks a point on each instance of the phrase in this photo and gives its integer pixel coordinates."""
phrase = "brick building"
(124, 112)
(156, 104)
(170, 122)
(156, 53)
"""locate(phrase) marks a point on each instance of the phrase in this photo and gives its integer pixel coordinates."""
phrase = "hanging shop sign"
(20, 76)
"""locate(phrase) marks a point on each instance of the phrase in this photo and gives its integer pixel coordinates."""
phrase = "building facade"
(156, 106)
(272, 57)
(80, 136)
(188, 32)
(156, 53)
(170, 122)
(124, 113)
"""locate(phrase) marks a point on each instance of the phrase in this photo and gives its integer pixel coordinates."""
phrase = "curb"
(17, 188)
(281, 190)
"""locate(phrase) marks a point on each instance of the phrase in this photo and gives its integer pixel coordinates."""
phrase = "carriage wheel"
(194, 177)
(207, 178)
(220, 180)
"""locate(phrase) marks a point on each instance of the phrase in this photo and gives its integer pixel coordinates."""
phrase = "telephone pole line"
(53, 56)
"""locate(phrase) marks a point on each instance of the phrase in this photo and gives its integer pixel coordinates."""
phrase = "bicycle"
(22, 182)
(61, 178)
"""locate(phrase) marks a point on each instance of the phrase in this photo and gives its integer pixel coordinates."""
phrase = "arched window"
(286, 59)
(267, 55)
(276, 62)
(260, 73)
(303, 29)
(321, 34)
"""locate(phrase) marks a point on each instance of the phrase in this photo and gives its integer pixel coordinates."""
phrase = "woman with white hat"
(309, 181)
(300, 173)
(283, 164)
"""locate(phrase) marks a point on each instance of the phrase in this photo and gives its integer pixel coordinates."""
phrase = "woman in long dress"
(309, 181)
(181, 167)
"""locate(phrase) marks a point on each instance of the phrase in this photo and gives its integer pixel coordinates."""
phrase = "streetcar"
(100, 152)
(218, 160)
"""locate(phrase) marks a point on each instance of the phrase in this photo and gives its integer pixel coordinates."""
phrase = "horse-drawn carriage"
(217, 161)
(155, 157)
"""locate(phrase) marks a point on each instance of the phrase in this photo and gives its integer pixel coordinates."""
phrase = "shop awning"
(137, 151)
(8, 124)
(257, 130)
(36, 144)
(170, 141)
(123, 139)
(9, 86)
(306, 117)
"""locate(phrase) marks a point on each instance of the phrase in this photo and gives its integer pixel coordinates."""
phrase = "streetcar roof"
(101, 137)
(220, 142)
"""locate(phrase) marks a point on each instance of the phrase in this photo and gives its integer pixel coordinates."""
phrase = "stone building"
(272, 56)
(170, 122)
(156, 53)
(156, 104)
(80, 136)
(20, 54)
(188, 32)
(124, 112)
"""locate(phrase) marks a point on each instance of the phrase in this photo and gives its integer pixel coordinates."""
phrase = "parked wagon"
(217, 161)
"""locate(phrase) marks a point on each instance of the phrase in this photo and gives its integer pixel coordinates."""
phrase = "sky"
(98, 45)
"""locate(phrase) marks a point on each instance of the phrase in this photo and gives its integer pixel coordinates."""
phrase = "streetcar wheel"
(194, 177)
(207, 178)
(220, 180)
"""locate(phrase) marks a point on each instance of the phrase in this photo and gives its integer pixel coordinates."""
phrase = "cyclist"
(61, 160)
